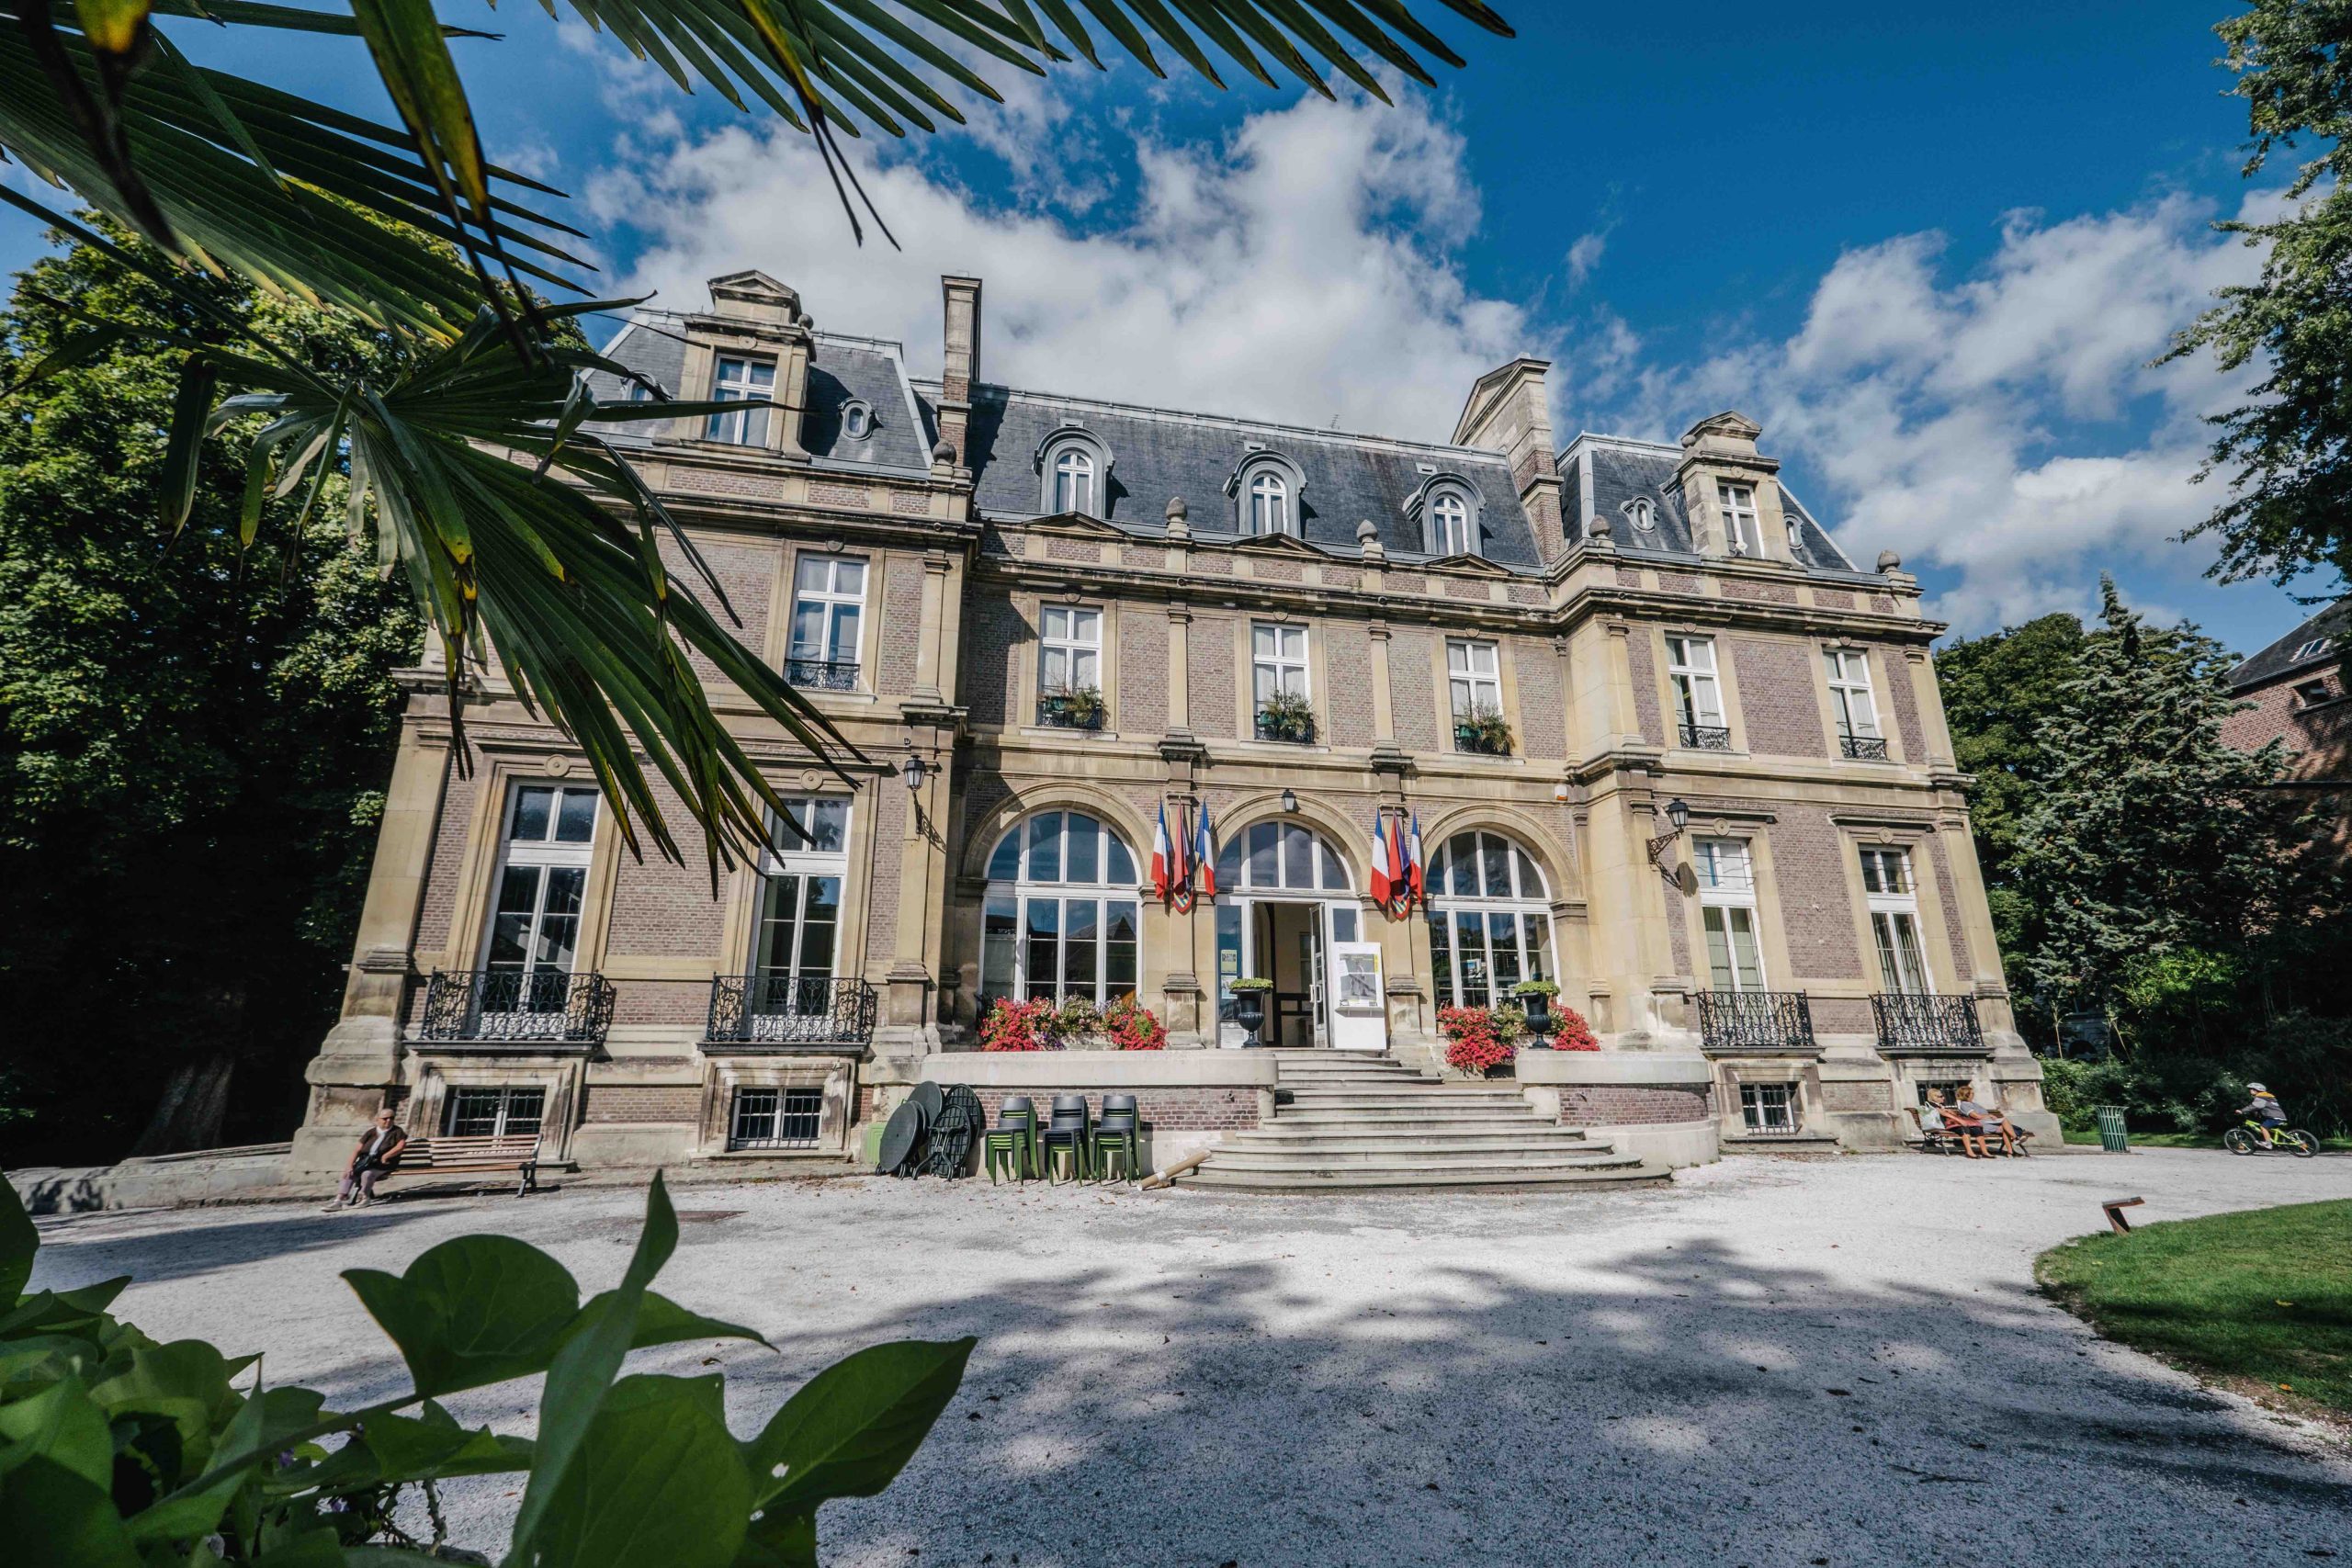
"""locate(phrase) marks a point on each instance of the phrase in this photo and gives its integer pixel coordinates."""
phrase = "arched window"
(1060, 919)
(1074, 481)
(1490, 920)
(1269, 504)
(1279, 855)
(857, 420)
(1450, 527)
(1641, 513)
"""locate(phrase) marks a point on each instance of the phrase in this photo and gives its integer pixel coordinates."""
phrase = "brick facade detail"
(1591, 1105)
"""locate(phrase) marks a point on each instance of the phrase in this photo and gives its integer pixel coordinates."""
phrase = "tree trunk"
(194, 1103)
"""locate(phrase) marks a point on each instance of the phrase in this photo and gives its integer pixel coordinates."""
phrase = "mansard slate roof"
(1624, 469)
(1158, 453)
(2331, 628)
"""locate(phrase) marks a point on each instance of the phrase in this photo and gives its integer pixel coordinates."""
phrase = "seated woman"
(1970, 1130)
(1988, 1119)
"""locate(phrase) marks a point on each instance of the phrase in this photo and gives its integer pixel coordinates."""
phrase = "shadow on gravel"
(80, 1252)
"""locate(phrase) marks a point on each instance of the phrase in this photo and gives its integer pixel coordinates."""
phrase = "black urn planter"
(1539, 1020)
(1250, 1011)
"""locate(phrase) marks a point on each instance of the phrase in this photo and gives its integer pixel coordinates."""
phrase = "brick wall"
(1841, 1015)
(1817, 910)
(1594, 1105)
(747, 573)
(1856, 1097)
(669, 1001)
(442, 870)
(1949, 896)
(1411, 691)
(662, 908)
(1168, 1109)
(1759, 592)
(1143, 670)
(1086, 550)
(1644, 675)
(1210, 679)
(2322, 735)
(1777, 699)
(889, 810)
(992, 629)
(1270, 570)
(900, 632)
(1894, 675)
(1347, 696)
(1542, 701)
(626, 1102)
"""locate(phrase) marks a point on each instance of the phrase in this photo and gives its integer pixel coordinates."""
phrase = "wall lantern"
(913, 772)
(1290, 800)
(1677, 812)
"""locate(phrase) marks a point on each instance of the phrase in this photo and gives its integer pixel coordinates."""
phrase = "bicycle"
(2249, 1140)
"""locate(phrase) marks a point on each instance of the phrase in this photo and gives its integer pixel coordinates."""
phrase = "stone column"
(1179, 669)
(909, 1028)
(928, 660)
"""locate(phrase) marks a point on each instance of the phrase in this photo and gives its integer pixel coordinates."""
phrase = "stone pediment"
(1279, 545)
(1469, 566)
(1077, 526)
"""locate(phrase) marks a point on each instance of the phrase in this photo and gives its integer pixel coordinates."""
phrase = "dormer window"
(1270, 504)
(857, 420)
(1444, 511)
(2314, 647)
(745, 381)
(1450, 527)
(1743, 531)
(1074, 481)
(1641, 513)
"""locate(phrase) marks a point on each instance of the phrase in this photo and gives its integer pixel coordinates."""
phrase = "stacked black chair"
(1071, 1128)
(1117, 1138)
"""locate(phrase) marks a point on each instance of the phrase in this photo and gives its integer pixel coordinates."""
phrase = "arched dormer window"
(1269, 503)
(1449, 525)
(1641, 513)
(1073, 473)
(1446, 509)
(857, 420)
(1269, 495)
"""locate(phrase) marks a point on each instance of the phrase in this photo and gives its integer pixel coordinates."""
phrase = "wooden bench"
(1935, 1140)
(457, 1157)
(1946, 1138)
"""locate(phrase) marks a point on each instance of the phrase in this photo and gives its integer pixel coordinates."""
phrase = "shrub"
(1571, 1032)
(1134, 1027)
(1079, 1020)
(1021, 1026)
(1480, 1038)
(123, 1450)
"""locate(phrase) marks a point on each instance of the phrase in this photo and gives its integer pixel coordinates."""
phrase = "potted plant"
(1019, 1026)
(1286, 716)
(1482, 731)
(1535, 998)
(1250, 1003)
(1480, 1042)
(1133, 1026)
(1074, 708)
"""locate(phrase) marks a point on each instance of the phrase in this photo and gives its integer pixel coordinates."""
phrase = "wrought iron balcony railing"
(1071, 713)
(1910, 1023)
(822, 674)
(543, 1006)
(1296, 729)
(1754, 1020)
(1478, 740)
(1705, 737)
(791, 1009)
(1864, 747)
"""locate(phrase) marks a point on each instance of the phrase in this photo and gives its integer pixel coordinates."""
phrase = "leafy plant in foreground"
(117, 1451)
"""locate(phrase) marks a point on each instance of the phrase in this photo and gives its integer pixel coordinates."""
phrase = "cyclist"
(2265, 1109)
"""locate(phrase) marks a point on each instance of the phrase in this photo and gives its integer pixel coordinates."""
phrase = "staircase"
(1357, 1120)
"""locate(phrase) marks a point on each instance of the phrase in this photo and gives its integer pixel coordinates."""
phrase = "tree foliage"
(117, 1451)
(194, 735)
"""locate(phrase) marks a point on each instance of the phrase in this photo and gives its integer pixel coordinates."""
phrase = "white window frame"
(1892, 912)
(1697, 688)
(1074, 481)
(507, 1094)
(1641, 513)
(1469, 687)
(1068, 660)
(832, 600)
(2313, 649)
(1727, 872)
(1450, 525)
(857, 420)
(547, 854)
(1269, 503)
(1526, 901)
(1852, 703)
(1743, 525)
(1755, 1107)
(1285, 668)
(736, 377)
(1107, 893)
(788, 855)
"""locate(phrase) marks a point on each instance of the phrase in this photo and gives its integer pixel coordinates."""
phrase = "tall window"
(1070, 650)
(1074, 481)
(1728, 913)
(1060, 916)
(797, 938)
(741, 380)
(1277, 662)
(1449, 525)
(1849, 696)
(1269, 504)
(1490, 920)
(1741, 527)
(535, 927)
(1474, 674)
(828, 611)
(1894, 919)
(1698, 696)
(496, 1111)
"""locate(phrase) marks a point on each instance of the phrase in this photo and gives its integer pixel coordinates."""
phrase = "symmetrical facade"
(1076, 616)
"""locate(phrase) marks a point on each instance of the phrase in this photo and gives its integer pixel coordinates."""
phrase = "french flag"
(1179, 864)
(1205, 853)
(1413, 862)
(1159, 855)
(1381, 881)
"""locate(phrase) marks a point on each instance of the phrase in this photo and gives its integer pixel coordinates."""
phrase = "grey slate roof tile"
(2333, 626)
(1623, 470)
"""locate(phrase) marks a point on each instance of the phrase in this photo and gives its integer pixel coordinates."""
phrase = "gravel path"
(1770, 1363)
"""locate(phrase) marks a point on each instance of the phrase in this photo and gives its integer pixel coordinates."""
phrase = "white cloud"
(1301, 270)
(2007, 425)
(1584, 255)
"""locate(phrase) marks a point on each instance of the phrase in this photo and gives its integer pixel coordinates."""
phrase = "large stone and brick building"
(2296, 695)
(1663, 743)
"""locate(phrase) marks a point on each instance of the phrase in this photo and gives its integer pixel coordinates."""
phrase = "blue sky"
(1930, 249)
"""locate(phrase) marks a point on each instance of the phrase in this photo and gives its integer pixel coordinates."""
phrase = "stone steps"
(1307, 1180)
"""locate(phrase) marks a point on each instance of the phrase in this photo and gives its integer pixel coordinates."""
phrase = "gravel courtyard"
(1769, 1362)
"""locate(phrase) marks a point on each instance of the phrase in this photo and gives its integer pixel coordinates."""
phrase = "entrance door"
(1359, 1016)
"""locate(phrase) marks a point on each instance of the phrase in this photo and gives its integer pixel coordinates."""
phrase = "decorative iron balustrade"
(1070, 712)
(1478, 741)
(1909, 1022)
(1756, 1021)
(1864, 747)
(1705, 737)
(791, 1009)
(822, 674)
(545, 1005)
(1292, 730)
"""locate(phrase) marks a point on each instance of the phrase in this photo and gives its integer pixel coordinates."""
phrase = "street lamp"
(1290, 799)
(1678, 811)
(1678, 818)
(913, 772)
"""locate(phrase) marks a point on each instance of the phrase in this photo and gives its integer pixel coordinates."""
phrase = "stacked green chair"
(1071, 1131)
(1117, 1139)
(1011, 1143)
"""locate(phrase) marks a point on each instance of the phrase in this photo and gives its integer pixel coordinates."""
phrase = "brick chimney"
(1509, 411)
(952, 457)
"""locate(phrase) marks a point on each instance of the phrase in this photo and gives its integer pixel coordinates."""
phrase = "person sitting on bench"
(1969, 1130)
(379, 1153)
(1988, 1120)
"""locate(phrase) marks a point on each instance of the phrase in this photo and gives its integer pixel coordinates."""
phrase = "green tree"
(194, 735)
(2158, 857)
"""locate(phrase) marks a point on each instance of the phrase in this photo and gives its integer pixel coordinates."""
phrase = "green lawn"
(2264, 1296)
(2189, 1140)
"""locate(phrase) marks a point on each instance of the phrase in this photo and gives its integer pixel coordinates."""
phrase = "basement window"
(1769, 1107)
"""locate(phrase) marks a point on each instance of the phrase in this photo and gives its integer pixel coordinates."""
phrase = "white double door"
(1328, 988)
